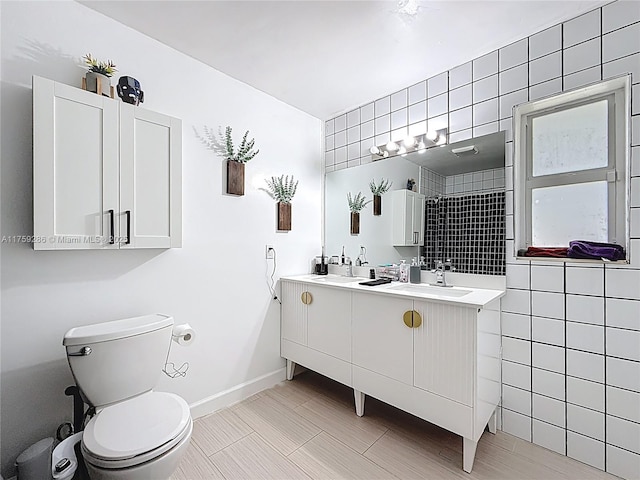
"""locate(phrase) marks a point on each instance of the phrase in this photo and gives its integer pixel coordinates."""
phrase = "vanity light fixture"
(419, 144)
(464, 151)
(376, 151)
(409, 141)
(431, 135)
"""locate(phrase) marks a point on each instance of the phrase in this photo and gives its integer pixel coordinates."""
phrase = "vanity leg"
(291, 366)
(493, 421)
(359, 396)
(468, 453)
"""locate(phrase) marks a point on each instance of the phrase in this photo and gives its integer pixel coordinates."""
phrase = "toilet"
(136, 433)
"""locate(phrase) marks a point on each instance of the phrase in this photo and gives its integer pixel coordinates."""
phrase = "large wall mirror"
(463, 184)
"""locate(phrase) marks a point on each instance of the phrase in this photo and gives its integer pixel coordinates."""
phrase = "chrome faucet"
(440, 273)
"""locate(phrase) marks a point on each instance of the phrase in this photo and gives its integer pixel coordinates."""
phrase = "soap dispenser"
(414, 271)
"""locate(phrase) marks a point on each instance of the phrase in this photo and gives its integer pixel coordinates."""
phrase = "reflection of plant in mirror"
(281, 189)
(358, 202)
(381, 188)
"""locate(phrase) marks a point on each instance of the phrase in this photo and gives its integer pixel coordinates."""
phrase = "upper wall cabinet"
(106, 174)
(408, 218)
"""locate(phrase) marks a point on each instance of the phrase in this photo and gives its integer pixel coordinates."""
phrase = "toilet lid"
(136, 426)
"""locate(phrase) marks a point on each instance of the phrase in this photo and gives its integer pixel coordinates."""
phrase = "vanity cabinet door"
(444, 350)
(329, 322)
(75, 168)
(293, 325)
(382, 342)
(150, 185)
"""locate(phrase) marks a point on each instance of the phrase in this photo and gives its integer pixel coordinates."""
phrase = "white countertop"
(458, 295)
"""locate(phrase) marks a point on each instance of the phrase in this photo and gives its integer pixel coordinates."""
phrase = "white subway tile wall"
(561, 324)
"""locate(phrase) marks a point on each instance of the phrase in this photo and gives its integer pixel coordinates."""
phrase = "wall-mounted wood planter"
(355, 223)
(377, 205)
(284, 216)
(235, 178)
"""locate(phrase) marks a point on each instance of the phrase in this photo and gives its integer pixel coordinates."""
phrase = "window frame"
(617, 92)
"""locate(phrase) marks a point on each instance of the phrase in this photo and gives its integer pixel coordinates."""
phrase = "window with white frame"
(571, 167)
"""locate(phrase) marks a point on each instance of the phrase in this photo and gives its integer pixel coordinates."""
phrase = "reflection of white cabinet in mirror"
(408, 218)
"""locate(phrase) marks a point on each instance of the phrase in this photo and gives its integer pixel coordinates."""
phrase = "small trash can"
(35, 462)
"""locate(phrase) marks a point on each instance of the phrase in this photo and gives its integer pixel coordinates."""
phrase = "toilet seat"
(136, 430)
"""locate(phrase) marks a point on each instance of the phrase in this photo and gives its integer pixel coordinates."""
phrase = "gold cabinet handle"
(412, 319)
(306, 298)
(417, 319)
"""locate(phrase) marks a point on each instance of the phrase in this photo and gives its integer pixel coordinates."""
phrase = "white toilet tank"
(113, 361)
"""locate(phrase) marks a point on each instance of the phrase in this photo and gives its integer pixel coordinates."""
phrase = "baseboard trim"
(236, 394)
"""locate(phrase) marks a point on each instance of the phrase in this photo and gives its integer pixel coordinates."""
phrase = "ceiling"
(327, 57)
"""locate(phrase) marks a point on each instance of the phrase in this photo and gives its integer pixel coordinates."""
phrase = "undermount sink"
(337, 279)
(431, 290)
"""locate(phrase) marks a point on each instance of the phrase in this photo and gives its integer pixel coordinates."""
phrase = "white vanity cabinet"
(408, 218)
(443, 367)
(106, 174)
(439, 360)
(316, 329)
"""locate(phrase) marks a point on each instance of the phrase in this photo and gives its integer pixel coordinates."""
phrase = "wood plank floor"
(308, 429)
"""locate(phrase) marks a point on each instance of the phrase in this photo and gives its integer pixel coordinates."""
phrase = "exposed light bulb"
(431, 135)
(374, 150)
(392, 147)
(409, 141)
(385, 154)
(422, 147)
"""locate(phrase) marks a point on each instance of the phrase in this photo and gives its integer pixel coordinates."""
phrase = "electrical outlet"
(269, 252)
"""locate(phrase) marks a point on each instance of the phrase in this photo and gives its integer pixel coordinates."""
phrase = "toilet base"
(160, 468)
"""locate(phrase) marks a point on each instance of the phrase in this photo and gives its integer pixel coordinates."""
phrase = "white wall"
(216, 282)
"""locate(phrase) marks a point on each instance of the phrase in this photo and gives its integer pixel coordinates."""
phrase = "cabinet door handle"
(112, 233)
(415, 238)
(417, 319)
(412, 319)
(306, 298)
(128, 214)
(407, 318)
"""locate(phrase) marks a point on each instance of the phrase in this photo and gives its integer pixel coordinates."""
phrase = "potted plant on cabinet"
(356, 204)
(282, 190)
(236, 160)
(377, 191)
(98, 78)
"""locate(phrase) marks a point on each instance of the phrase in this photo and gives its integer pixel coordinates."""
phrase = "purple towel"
(585, 249)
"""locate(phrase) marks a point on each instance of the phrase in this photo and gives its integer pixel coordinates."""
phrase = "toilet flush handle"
(84, 351)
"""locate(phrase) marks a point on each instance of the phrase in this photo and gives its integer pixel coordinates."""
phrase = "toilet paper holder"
(183, 335)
